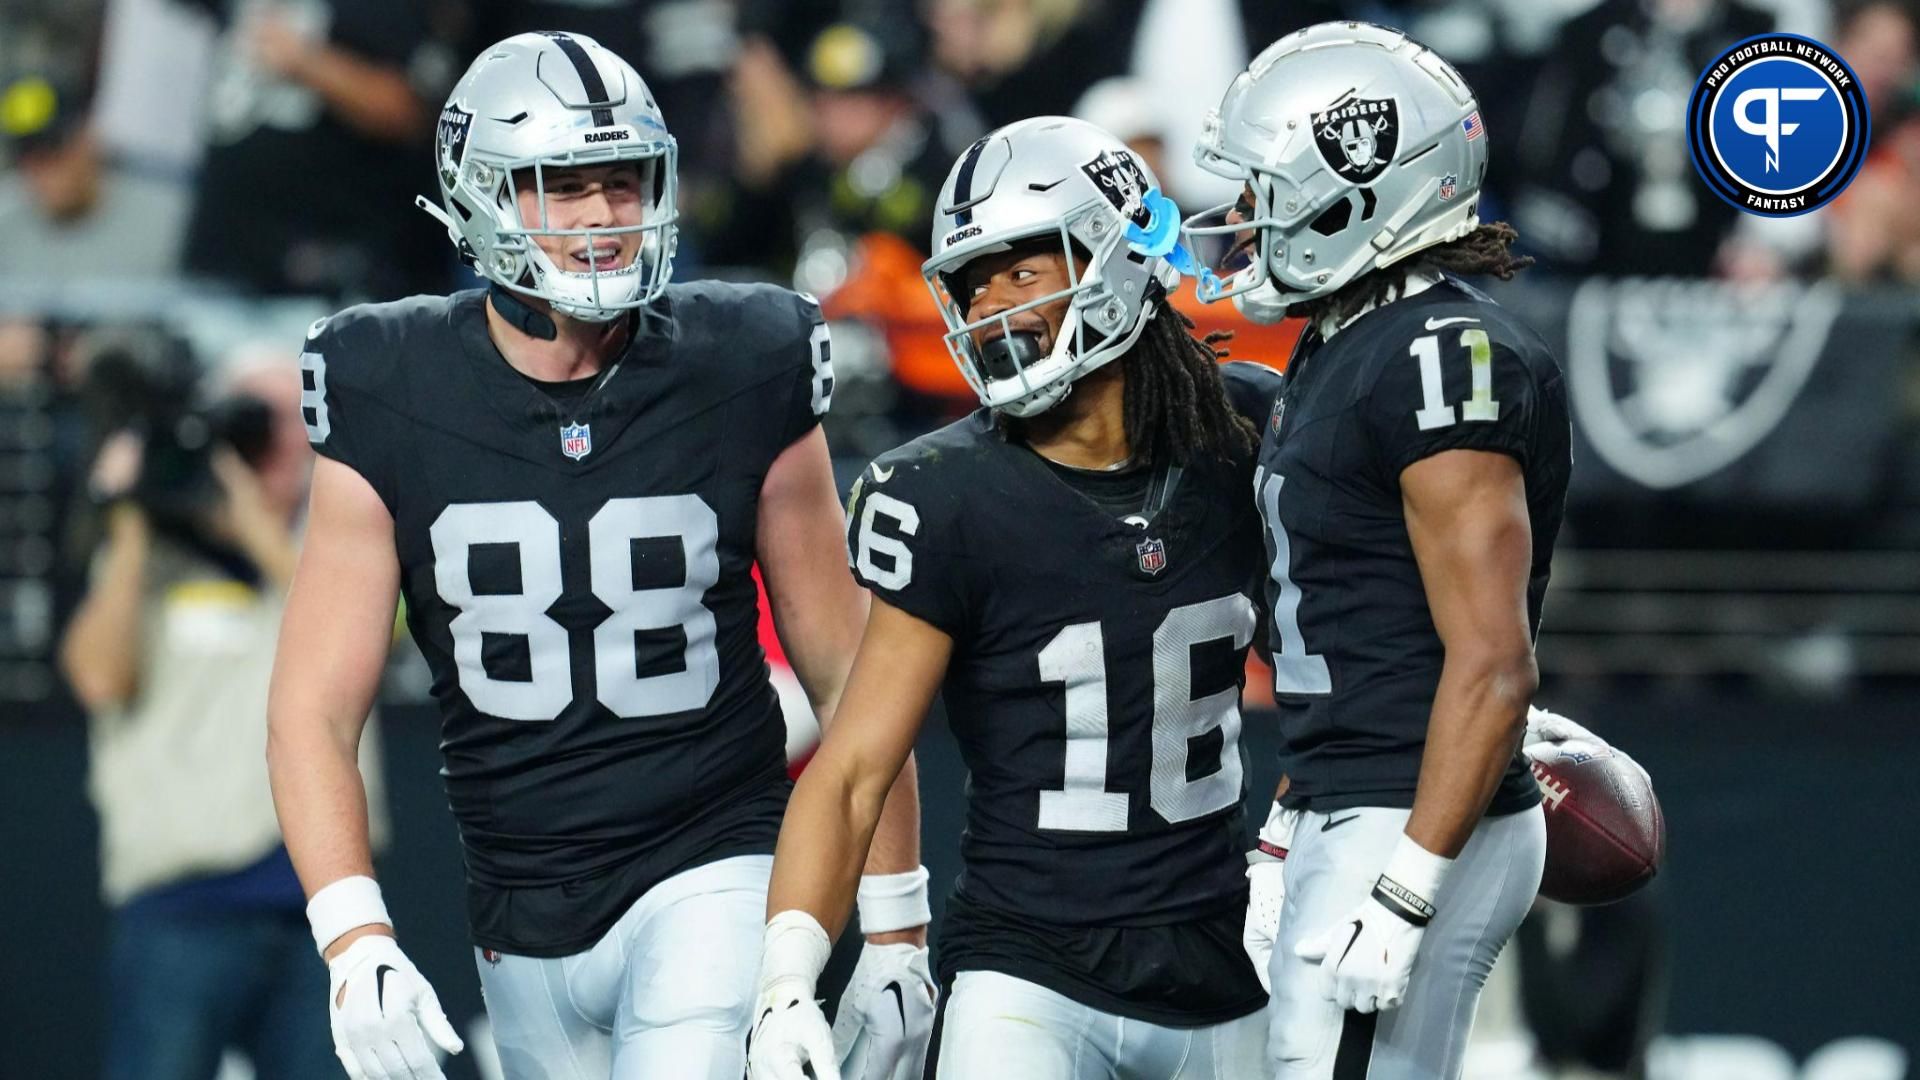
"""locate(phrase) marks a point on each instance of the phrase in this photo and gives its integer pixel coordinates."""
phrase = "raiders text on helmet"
(1046, 178)
(539, 102)
(1361, 147)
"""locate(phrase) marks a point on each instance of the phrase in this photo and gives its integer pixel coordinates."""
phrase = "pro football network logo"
(1778, 125)
(576, 440)
(1357, 136)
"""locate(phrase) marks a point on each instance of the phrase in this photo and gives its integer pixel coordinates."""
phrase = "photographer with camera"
(170, 652)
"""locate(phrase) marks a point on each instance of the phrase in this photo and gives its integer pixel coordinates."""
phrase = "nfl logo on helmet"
(576, 441)
(1153, 556)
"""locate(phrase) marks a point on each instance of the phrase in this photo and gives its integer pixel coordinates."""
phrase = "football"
(1606, 836)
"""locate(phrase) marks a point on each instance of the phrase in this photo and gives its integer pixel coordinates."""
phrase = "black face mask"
(1006, 356)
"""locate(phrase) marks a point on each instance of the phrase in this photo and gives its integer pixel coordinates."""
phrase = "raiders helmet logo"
(450, 139)
(1357, 136)
(1123, 183)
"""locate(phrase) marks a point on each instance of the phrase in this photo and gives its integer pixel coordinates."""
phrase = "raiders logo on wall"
(1358, 136)
(1122, 182)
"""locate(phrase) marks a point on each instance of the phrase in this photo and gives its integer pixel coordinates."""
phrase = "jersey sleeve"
(339, 405)
(1252, 388)
(1457, 389)
(901, 547)
(811, 392)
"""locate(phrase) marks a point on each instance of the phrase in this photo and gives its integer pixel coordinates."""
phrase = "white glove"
(1546, 730)
(383, 1013)
(1367, 958)
(789, 1030)
(1552, 728)
(886, 1015)
(1267, 890)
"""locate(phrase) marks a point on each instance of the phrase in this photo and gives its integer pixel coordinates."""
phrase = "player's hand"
(1551, 727)
(790, 1031)
(886, 1015)
(383, 1014)
(1367, 958)
(1267, 890)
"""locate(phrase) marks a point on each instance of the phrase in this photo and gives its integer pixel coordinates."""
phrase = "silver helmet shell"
(1361, 147)
(1047, 177)
(536, 102)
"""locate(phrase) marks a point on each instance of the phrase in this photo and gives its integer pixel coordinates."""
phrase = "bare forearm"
(322, 803)
(823, 845)
(1479, 715)
(373, 99)
(100, 653)
(896, 840)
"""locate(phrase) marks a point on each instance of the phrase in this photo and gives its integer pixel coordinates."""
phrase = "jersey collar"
(1416, 283)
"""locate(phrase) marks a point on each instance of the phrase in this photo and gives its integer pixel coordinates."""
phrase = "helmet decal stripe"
(963, 182)
(590, 80)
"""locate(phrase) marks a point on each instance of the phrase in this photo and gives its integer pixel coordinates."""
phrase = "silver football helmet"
(1361, 147)
(1065, 179)
(542, 101)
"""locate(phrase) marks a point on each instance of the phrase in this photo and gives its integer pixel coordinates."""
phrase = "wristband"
(890, 902)
(796, 948)
(347, 904)
(1411, 881)
(1276, 836)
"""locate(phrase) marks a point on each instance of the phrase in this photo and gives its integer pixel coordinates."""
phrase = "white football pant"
(999, 1027)
(1329, 871)
(667, 993)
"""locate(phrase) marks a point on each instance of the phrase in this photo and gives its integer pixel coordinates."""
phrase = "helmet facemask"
(1009, 372)
(598, 293)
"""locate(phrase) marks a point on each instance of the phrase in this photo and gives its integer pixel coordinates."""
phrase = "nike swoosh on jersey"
(1435, 324)
(880, 475)
(900, 1001)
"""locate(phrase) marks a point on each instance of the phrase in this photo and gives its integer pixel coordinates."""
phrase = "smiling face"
(999, 282)
(586, 197)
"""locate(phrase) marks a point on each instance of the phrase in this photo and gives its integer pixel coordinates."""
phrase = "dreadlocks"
(1176, 403)
(1485, 250)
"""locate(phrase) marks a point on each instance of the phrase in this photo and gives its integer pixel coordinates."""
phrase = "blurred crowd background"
(186, 184)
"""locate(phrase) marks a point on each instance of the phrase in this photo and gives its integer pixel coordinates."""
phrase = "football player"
(569, 477)
(1412, 480)
(1075, 567)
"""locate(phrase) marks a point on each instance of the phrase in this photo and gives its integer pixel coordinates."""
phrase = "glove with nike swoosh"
(886, 1013)
(1367, 958)
(1267, 890)
(790, 1033)
(383, 1013)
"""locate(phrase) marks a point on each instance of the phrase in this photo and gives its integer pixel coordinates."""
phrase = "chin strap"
(511, 308)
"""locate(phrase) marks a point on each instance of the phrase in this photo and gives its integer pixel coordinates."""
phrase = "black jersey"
(577, 573)
(1356, 657)
(1094, 689)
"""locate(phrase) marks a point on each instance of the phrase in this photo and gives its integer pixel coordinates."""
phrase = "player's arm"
(1466, 514)
(829, 824)
(818, 611)
(100, 651)
(333, 644)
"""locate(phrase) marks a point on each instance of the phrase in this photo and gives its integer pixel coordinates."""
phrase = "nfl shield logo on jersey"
(1153, 556)
(576, 441)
